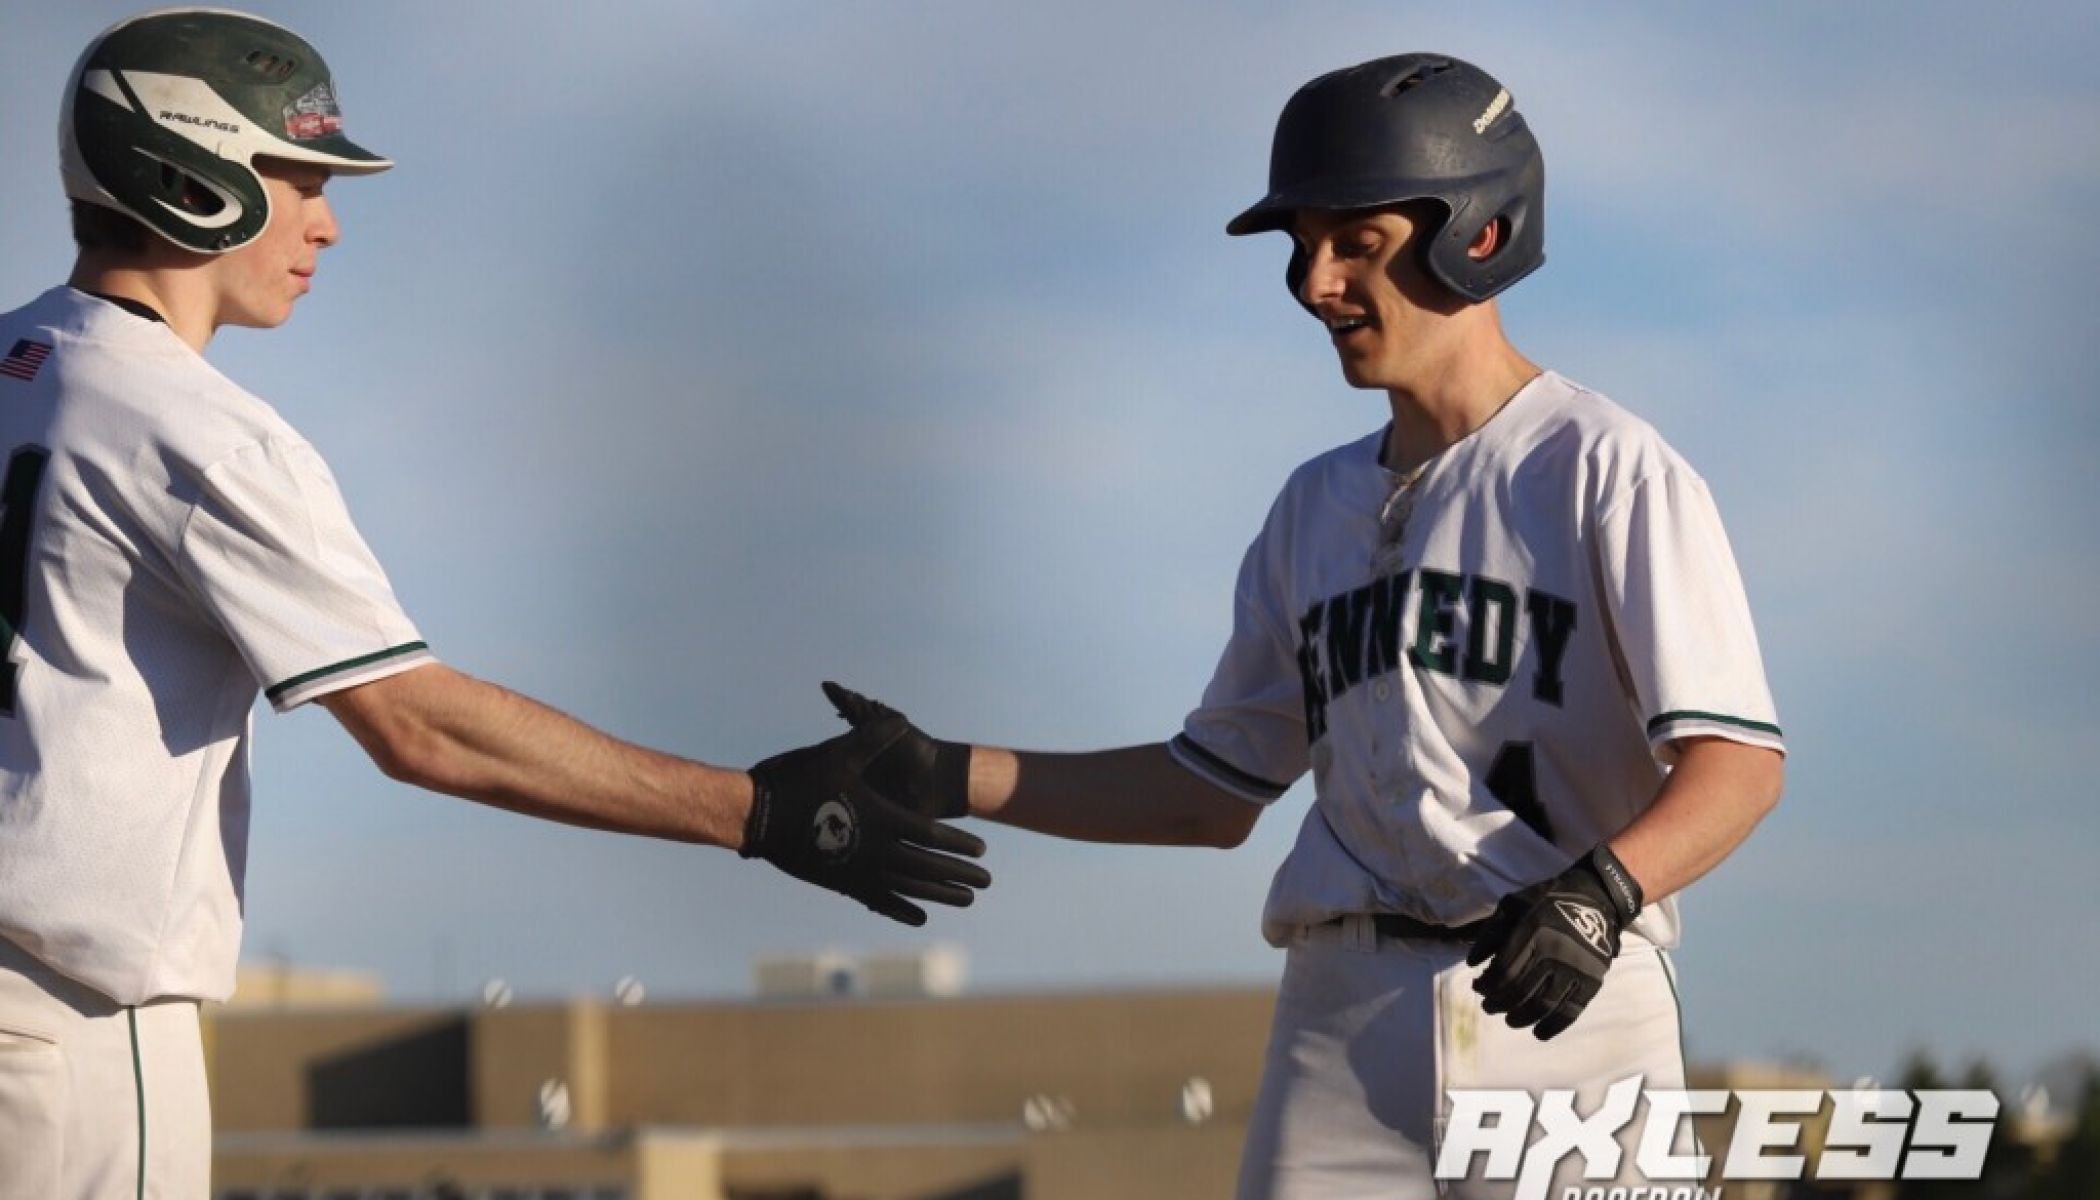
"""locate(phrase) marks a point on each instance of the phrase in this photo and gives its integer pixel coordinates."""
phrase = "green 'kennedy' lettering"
(1552, 620)
(1490, 599)
(1435, 647)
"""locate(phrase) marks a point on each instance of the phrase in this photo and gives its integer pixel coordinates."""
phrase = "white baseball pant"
(1371, 1032)
(98, 1100)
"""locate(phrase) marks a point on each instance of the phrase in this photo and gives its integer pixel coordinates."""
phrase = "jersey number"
(1514, 780)
(25, 469)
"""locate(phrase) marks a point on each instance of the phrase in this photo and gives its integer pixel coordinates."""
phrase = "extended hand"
(923, 774)
(1552, 942)
(815, 816)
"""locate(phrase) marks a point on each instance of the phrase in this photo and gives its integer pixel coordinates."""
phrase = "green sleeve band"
(1671, 718)
(278, 689)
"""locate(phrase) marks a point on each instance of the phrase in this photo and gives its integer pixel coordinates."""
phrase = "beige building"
(881, 1096)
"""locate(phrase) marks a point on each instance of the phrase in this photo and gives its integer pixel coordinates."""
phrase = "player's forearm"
(515, 753)
(441, 730)
(1137, 795)
(1715, 796)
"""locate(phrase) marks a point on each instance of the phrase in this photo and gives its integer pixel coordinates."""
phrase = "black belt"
(1394, 925)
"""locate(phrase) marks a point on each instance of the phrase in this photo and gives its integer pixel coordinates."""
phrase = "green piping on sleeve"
(278, 689)
(1671, 718)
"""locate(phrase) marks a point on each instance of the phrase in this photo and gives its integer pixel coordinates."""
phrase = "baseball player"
(170, 548)
(1506, 635)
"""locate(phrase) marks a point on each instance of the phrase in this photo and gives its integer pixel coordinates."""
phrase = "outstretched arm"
(437, 728)
(1138, 794)
(809, 812)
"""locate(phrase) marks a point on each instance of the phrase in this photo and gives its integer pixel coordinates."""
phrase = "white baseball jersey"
(1497, 691)
(169, 546)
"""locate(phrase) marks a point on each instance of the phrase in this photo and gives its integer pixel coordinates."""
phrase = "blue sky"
(697, 353)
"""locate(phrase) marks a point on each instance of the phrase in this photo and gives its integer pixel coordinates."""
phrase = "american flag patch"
(23, 361)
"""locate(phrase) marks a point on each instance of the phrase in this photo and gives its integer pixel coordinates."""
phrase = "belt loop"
(1363, 932)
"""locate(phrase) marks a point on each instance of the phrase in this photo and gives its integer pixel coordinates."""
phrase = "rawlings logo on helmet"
(200, 122)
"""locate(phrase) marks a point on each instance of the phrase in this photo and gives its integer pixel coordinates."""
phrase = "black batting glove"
(923, 774)
(814, 815)
(1552, 942)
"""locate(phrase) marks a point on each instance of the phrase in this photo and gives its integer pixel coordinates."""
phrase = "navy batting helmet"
(1413, 127)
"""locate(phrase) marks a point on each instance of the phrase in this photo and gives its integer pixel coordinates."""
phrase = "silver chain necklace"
(1393, 514)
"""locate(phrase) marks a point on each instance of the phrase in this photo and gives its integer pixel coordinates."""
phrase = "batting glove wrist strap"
(814, 816)
(924, 774)
(1620, 886)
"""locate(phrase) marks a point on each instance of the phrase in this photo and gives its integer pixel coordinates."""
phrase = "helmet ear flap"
(1446, 252)
(180, 190)
(1519, 251)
